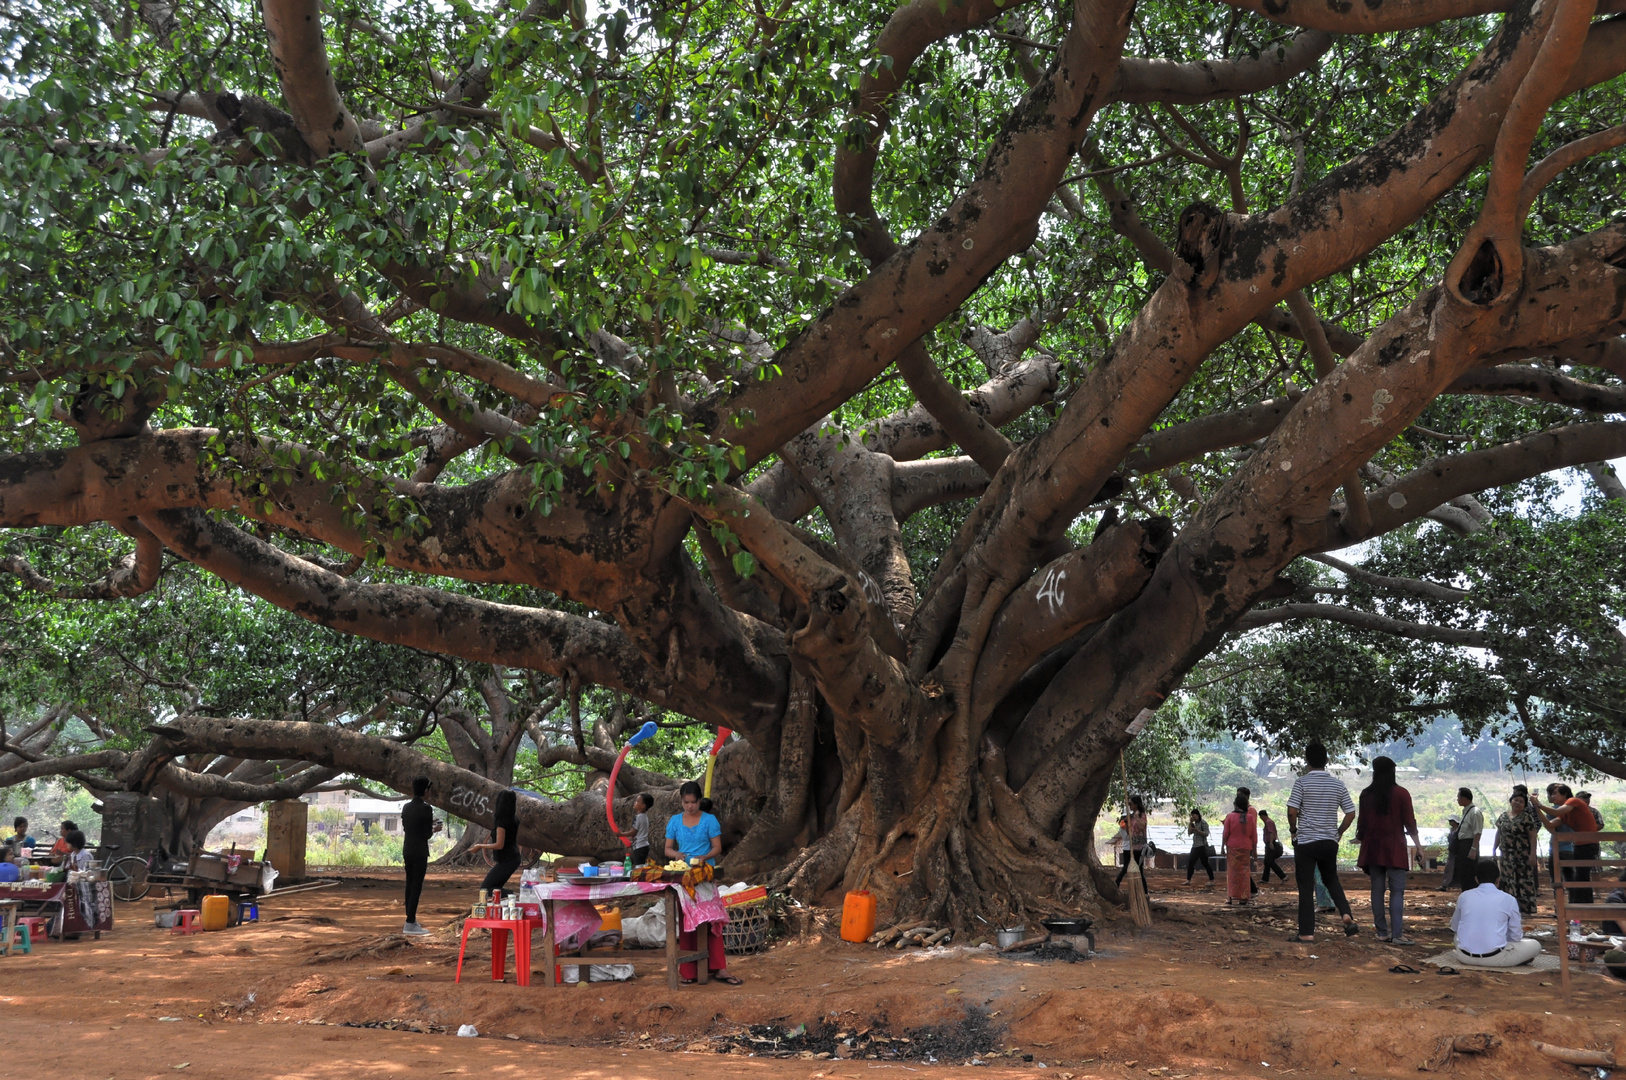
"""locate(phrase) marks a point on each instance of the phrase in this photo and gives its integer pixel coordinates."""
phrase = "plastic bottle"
(626, 865)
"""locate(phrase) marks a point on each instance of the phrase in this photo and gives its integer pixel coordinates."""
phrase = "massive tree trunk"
(942, 735)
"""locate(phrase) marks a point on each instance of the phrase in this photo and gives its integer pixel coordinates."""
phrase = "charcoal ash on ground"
(972, 1038)
(1050, 950)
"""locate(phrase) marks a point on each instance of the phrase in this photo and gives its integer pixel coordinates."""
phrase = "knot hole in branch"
(1481, 282)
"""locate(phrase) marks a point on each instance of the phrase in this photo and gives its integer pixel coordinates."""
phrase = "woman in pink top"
(1241, 837)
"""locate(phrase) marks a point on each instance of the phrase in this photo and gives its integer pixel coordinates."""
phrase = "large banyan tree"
(918, 392)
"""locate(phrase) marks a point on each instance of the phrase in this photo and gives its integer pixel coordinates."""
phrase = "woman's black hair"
(689, 788)
(1137, 804)
(705, 806)
(505, 812)
(1375, 799)
(1241, 800)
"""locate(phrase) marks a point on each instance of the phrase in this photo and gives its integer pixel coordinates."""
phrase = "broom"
(1139, 909)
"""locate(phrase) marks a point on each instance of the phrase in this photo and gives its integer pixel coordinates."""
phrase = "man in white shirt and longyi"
(1487, 926)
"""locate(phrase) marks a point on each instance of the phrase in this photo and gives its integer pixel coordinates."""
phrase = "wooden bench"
(1564, 910)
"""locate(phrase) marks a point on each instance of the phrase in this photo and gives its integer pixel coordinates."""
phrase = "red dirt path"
(1208, 992)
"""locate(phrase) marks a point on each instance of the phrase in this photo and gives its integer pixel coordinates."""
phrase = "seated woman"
(9, 870)
(1488, 933)
(695, 834)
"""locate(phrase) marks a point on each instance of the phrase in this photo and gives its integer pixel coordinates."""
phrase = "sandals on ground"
(1404, 969)
(1350, 929)
(731, 980)
(1446, 969)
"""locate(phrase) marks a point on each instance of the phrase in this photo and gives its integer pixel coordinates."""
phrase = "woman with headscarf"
(504, 844)
(1384, 821)
(1240, 837)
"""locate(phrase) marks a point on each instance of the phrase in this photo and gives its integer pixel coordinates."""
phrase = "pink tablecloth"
(578, 918)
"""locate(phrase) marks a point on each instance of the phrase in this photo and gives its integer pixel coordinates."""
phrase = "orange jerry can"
(858, 916)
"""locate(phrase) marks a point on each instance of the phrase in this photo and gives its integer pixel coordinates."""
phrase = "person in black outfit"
(504, 843)
(1273, 847)
(418, 824)
(1201, 853)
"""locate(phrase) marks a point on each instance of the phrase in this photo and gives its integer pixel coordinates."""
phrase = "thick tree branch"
(1141, 80)
(428, 619)
(294, 28)
(1543, 384)
(1445, 478)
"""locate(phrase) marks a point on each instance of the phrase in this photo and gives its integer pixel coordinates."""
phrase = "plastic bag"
(647, 931)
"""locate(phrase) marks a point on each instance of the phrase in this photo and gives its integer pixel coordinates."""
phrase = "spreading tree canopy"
(920, 392)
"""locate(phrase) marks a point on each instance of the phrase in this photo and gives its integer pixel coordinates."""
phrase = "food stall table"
(568, 912)
(77, 907)
(500, 929)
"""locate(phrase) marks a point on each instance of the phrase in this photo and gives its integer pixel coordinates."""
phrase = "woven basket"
(747, 928)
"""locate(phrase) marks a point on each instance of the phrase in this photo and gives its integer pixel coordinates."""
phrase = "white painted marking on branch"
(1051, 589)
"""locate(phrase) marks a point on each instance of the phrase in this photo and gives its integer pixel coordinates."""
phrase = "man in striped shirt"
(1312, 818)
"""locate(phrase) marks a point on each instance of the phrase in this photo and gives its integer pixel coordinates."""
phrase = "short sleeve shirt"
(694, 841)
(1318, 796)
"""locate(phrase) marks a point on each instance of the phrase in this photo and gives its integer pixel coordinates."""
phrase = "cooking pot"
(1011, 935)
(1066, 926)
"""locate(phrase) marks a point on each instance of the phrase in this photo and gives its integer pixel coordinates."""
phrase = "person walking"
(1240, 835)
(1273, 846)
(1197, 829)
(1135, 849)
(1514, 850)
(418, 824)
(1312, 821)
(1382, 825)
(1467, 843)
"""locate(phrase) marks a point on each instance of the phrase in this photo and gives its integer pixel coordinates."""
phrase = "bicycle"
(129, 877)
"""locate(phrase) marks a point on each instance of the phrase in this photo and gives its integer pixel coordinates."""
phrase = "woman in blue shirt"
(695, 834)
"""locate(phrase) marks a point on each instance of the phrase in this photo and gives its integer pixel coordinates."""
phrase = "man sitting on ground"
(1487, 925)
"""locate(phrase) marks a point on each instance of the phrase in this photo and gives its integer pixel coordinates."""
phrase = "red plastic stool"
(188, 921)
(39, 927)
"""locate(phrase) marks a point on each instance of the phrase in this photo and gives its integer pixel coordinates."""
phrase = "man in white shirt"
(1312, 818)
(1487, 926)
(1466, 853)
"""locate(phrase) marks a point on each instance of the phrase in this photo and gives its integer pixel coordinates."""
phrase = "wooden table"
(671, 955)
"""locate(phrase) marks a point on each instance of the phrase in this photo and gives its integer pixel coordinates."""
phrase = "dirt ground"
(1210, 991)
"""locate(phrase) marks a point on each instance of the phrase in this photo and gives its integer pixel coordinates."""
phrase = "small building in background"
(376, 814)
